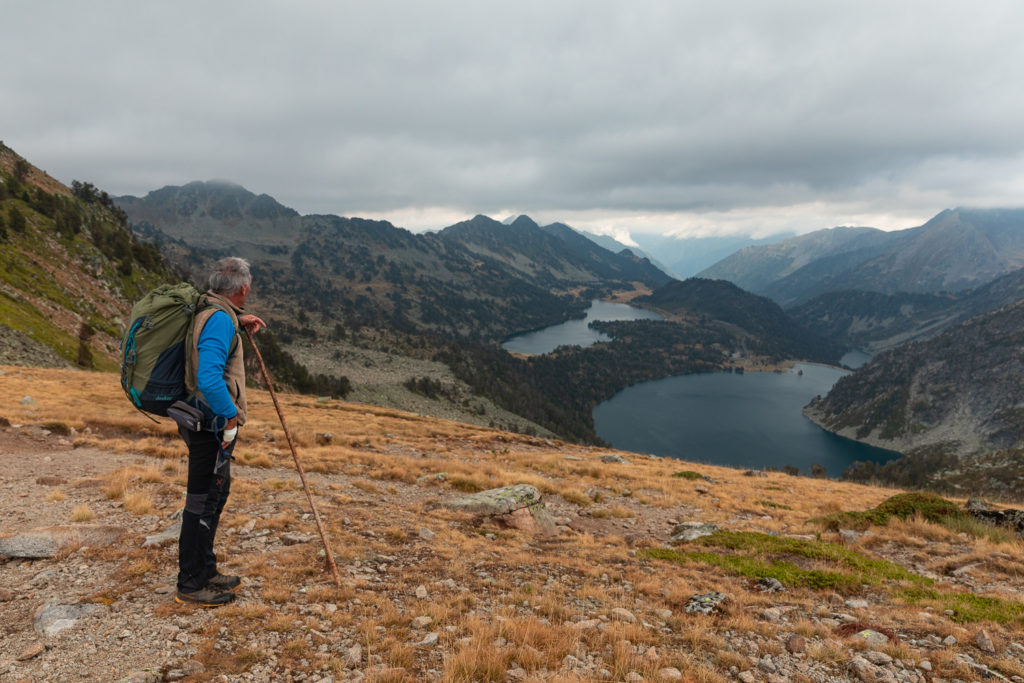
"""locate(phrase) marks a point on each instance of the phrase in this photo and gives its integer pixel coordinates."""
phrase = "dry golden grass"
(55, 496)
(384, 476)
(82, 513)
(138, 502)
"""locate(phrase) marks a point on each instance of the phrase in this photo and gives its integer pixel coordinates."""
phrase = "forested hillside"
(70, 268)
(952, 402)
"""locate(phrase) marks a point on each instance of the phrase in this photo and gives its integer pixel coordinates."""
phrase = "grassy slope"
(377, 484)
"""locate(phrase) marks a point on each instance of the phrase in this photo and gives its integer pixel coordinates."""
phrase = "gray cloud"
(660, 115)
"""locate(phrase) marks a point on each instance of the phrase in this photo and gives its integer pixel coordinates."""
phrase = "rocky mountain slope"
(958, 249)
(958, 394)
(70, 269)
(652, 570)
(474, 279)
(875, 321)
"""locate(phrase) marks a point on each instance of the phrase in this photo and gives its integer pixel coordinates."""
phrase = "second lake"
(751, 420)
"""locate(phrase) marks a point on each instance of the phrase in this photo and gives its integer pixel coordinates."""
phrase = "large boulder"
(519, 506)
(1009, 517)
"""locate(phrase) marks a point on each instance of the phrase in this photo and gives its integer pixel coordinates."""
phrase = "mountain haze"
(958, 249)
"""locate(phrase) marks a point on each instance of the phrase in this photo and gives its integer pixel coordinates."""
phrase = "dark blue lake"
(575, 332)
(753, 420)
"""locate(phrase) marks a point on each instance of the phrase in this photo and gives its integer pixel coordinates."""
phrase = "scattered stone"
(193, 667)
(703, 490)
(663, 614)
(6, 595)
(878, 658)
(422, 622)
(620, 614)
(691, 531)
(426, 534)
(857, 604)
(28, 401)
(612, 458)
(869, 673)
(849, 536)
(54, 617)
(670, 673)
(324, 439)
(33, 650)
(429, 640)
(924, 665)
(634, 677)
(770, 585)
(171, 533)
(949, 641)
(796, 644)
(585, 624)
(295, 538)
(704, 603)
(421, 592)
(747, 677)
(872, 637)
(51, 480)
(354, 656)
(984, 641)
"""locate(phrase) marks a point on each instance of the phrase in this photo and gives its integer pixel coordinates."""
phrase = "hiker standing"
(217, 375)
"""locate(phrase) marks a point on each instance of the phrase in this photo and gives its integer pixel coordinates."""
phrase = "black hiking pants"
(206, 493)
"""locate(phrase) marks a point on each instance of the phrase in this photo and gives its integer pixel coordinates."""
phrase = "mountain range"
(957, 250)
(939, 304)
(478, 278)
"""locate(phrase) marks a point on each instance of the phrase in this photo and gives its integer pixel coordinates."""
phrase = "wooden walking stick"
(298, 465)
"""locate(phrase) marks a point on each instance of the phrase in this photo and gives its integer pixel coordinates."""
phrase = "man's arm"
(214, 346)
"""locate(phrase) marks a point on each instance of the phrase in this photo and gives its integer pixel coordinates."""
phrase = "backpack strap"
(206, 302)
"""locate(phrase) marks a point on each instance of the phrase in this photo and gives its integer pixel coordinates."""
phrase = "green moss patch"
(929, 506)
(755, 556)
(967, 607)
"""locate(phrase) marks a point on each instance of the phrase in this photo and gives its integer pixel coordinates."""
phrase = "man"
(217, 374)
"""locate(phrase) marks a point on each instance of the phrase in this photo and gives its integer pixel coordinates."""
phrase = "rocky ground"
(620, 587)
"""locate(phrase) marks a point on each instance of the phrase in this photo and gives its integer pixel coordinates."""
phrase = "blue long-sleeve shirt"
(214, 346)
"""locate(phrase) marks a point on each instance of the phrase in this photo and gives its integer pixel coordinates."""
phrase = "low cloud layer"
(646, 116)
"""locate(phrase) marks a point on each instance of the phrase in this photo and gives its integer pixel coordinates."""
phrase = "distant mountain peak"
(523, 221)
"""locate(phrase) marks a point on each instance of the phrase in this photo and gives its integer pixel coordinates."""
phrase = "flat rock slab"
(48, 541)
(54, 617)
(519, 506)
(691, 531)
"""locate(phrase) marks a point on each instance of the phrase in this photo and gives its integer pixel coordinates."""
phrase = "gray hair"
(229, 275)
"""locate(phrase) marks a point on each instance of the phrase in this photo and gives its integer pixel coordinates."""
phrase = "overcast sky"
(610, 115)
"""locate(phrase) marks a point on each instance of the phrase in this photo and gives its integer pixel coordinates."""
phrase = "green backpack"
(157, 346)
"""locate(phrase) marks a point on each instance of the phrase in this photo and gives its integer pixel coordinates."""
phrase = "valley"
(366, 310)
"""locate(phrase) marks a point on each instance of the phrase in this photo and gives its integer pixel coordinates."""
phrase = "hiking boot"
(223, 582)
(207, 597)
